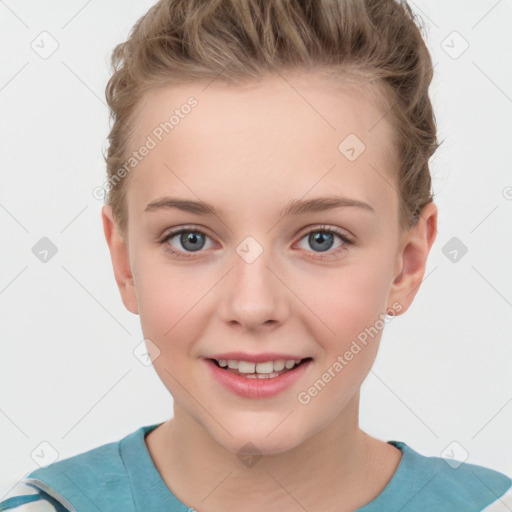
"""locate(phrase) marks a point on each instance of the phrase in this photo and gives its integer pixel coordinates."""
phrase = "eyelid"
(347, 239)
(331, 254)
(171, 232)
(343, 233)
(304, 231)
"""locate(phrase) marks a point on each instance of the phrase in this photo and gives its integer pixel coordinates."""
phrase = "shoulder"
(54, 488)
(74, 482)
(97, 476)
(451, 485)
(501, 504)
(25, 498)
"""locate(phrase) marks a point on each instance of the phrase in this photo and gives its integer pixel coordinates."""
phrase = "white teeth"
(262, 375)
(260, 370)
(265, 367)
(279, 365)
(245, 367)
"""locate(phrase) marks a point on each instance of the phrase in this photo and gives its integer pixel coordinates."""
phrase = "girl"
(247, 135)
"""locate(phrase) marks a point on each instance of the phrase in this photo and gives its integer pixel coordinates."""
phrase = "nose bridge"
(255, 294)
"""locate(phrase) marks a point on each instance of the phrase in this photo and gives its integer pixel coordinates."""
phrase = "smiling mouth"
(265, 375)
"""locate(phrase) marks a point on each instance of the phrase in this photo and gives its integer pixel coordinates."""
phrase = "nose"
(253, 296)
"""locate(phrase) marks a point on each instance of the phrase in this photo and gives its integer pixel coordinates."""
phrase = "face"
(244, 276)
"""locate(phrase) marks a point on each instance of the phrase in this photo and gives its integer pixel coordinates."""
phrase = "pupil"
(193, 240)
(321, 237)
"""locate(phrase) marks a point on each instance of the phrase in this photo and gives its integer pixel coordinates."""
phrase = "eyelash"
(318, 256)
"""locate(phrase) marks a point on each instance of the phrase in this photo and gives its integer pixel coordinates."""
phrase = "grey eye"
(321, 240)
(192, 241)
(189, 240)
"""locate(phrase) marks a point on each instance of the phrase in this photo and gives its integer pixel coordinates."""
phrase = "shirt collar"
(151, 493)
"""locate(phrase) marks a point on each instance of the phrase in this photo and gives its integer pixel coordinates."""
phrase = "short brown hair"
(182, 41)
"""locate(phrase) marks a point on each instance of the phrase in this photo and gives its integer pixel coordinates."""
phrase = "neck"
(339, 461)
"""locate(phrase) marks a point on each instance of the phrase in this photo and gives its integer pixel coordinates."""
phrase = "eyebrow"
(294, 207)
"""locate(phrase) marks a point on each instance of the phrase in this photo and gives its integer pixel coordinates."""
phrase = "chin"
(257, 440)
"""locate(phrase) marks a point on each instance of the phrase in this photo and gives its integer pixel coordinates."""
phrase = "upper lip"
(254, 358)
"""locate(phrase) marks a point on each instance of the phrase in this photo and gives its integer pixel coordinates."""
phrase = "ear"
(120, 260)
(415, 247)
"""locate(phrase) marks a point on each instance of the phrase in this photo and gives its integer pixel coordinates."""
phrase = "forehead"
(258, 140)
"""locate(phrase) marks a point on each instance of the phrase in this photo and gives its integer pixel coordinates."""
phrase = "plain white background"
(68, 376)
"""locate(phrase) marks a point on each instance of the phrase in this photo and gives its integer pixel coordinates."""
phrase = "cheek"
(352, 313)
(348, 300)
(170, 316)
(170, 309)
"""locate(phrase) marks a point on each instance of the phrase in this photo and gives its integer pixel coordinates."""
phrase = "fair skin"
(249, 151)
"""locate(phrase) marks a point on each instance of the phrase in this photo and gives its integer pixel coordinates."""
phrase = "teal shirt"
(121, 476)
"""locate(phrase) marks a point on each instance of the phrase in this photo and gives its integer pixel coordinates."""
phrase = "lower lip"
(256, 388)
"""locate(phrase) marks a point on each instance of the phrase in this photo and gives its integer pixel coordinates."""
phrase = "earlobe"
(120, 256)
(416, 246)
